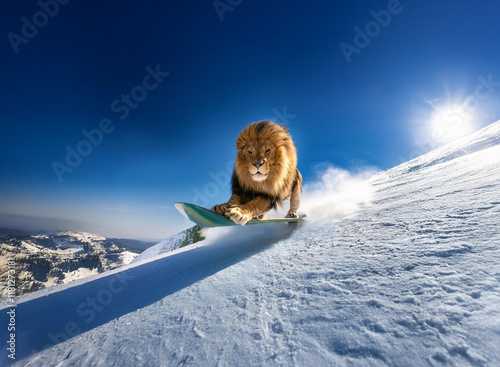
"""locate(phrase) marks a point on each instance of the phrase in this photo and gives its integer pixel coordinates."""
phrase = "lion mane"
(265, 173)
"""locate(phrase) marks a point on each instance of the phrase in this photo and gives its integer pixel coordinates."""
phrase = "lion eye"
(249, 152)
(268, 150)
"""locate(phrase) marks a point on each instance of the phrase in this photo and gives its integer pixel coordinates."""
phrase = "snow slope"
(181, 239)
(407, 273)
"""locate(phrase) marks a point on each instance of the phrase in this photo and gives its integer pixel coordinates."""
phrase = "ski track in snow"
(412, 279)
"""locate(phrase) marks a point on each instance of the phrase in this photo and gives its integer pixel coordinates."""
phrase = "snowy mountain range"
(45, 260)
(398, 269)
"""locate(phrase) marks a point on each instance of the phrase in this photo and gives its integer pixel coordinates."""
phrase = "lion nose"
(258, 164)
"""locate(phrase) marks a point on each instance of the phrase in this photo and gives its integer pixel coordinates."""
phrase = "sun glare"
(451, 121)
(451, 117)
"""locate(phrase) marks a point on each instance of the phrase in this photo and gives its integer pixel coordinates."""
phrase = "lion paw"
(238, 215)
(292, 215)
(221, 208)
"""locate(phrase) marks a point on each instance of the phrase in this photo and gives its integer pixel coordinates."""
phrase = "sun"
(450, 120)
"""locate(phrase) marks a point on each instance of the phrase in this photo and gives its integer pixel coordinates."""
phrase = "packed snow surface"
(402, 269)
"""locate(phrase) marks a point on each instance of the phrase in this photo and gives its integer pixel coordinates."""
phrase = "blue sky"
(170, 84)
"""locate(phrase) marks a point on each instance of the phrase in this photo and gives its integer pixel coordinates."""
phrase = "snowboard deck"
(207, 218)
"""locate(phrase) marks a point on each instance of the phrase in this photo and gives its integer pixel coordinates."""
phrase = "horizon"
(112, 112)
(49, 225)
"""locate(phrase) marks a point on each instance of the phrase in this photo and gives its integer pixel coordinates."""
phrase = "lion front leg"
(295, 197)
(253, 209)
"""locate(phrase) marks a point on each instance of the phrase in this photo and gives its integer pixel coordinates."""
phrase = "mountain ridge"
(45, 260)
(484, 138)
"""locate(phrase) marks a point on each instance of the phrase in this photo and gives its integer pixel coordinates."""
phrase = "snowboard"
(207, 218)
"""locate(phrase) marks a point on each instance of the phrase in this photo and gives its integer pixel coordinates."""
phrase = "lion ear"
(244, 137)
(283, 126)
(241, 142)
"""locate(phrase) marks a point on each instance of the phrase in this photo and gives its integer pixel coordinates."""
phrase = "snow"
(403, 269)
(71, 276)
(82, 236)
(170, 244)
(128, 257)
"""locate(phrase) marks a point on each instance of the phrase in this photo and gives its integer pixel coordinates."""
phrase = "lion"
(265, 174)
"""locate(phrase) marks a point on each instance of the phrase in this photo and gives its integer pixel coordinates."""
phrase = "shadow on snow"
(52, 319)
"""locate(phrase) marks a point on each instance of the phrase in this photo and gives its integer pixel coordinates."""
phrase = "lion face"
(266, 159)
(259, 157)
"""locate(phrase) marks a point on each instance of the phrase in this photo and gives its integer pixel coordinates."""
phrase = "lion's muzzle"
(259, 176)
